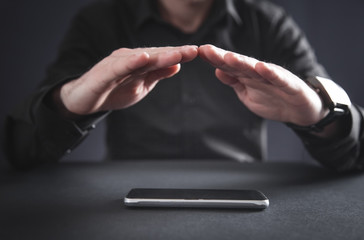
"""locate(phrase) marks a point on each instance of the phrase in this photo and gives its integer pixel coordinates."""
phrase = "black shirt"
(192, 115)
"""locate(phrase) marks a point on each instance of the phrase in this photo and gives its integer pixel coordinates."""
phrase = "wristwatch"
(334, 98)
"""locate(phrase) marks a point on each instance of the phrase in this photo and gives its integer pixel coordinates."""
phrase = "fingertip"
(171, 71)
(205, 46)
(176, 67)
(189, 53)
(212, 54)
(191, 47)
(208, 48)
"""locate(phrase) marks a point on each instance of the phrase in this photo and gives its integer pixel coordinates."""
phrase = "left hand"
(268, 90)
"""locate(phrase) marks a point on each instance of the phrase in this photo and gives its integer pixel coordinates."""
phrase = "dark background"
(30, 32)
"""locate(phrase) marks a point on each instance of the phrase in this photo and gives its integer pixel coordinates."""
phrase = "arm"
(266, 89)
(34, 132)
(118, 81)
(275, 93)
(52, 121)
(279, 93)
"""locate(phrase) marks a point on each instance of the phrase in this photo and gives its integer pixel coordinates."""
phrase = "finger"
(188, 52)
(142, 63)
(145, 84)
(232, 63)
(279, 77)
(160, 74)
(241, 66)
(166, 57)
(226, 78)
(135, 88)
(212, 55)
(230, 81)
(113, 69)
(126, 64)
(125, 61)
(151, 50)
(160, 57)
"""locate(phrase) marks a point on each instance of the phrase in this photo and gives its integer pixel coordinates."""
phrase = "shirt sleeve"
(36, 134)
(342, 153)
(286, 45)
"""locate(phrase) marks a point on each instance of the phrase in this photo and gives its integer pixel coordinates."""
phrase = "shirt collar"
(147, 9)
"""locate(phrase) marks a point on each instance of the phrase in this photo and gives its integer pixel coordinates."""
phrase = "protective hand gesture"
(123, 78)
(268, 90)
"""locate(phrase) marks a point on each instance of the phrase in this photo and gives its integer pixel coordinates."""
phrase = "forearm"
(339, 145)
(341, 151)
(36, 133)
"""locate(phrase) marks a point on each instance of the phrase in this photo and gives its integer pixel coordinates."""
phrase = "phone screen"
(149, 197)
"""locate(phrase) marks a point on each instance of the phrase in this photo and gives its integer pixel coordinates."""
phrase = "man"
(191, 115)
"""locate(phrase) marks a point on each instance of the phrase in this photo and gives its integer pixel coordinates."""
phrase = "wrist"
(334, 100)
(56, 104)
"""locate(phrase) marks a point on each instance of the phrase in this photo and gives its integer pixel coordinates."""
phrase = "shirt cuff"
(342, 152)
(60, 135)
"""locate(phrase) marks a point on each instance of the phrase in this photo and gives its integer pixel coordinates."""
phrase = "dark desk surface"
(84, 201)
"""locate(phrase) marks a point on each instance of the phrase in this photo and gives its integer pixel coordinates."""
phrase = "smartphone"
(200, 198)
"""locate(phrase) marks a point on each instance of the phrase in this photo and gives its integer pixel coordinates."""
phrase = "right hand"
(121, 79)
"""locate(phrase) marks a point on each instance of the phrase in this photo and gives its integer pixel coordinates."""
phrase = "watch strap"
(318, 127)
(333, 97)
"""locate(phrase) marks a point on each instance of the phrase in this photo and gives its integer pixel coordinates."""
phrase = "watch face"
(332, 94)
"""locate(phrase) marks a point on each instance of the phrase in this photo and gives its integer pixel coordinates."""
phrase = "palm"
(123, 78)
(266, 89)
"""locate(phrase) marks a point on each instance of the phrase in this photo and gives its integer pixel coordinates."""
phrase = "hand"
(268, 90)
(122, 79)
